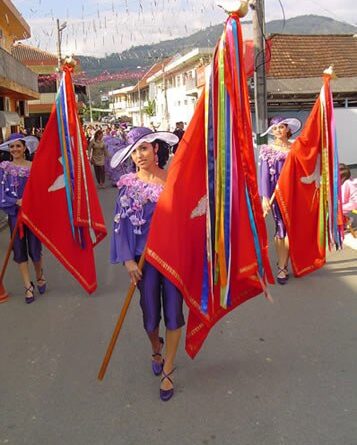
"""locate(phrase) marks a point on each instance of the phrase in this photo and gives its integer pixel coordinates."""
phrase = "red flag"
(308, 190)
(214, 273)
(60, 203)
(249, 56)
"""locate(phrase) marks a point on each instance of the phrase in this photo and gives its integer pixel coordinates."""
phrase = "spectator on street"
(97, 153)
(179, 132)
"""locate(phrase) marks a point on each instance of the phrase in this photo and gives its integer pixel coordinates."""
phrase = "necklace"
(284, 147)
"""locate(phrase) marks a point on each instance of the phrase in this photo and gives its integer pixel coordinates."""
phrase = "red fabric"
(249, 56)
(46, 213)
(299, 201)
(176, 244)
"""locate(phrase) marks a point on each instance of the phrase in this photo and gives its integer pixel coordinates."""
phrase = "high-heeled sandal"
(281, 280)
(286, 270)
(155, 365)
(30, 299)
(166, 394)
(41, 287)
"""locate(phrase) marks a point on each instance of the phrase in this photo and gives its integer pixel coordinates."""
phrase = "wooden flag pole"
(119, 324)
(270, 203)
(3, 293)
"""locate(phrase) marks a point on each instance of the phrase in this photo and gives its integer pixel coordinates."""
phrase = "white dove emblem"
(59, 182)
(201, 208)
(315, 176)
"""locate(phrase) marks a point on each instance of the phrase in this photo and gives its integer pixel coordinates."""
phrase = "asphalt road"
(269, 374)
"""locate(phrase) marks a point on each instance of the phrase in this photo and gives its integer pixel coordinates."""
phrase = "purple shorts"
(280, 230)
(29, 245)
(156, 291)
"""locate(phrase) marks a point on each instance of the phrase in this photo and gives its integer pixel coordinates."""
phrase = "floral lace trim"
(134, 194)
(10, 181)
(272, 156)
(15, 170)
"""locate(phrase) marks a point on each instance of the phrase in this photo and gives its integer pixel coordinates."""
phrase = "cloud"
(105, 31)
(99, 27)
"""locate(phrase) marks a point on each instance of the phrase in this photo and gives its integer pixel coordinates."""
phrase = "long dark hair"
(163, 152)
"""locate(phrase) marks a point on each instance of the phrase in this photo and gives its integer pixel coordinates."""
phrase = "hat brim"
(293, 124)
(31, 143)
(123, 154)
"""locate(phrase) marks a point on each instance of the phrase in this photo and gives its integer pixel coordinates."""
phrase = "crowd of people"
(134, 160)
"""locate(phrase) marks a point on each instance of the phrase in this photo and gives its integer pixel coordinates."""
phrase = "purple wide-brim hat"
(137, 136)
(293, 124)
(31, 142)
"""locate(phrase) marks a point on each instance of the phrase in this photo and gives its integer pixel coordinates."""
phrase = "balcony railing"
(45, 99)
(14, 71)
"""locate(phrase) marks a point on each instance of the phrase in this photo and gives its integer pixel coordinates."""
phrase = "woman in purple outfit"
(135, 205)
(13, 178)
(115, 144)
(271, 161)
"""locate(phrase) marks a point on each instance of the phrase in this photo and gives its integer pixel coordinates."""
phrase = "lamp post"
(60, 28)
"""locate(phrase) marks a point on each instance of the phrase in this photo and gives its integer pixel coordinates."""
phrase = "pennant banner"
(208, 235)
(60, 203)
(308, 190)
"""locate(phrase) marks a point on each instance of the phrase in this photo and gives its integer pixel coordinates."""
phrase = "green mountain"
(146, 55)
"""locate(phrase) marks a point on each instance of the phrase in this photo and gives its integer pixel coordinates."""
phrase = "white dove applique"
(315, 176)
(59, 182)
(201, 208)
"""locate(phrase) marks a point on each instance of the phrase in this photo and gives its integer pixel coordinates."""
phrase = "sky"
(99, 27)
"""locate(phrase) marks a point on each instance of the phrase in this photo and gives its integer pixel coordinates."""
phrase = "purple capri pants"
(153, 287)
(29, 245)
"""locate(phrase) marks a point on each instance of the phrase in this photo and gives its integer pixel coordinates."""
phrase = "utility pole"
(90, 104)
(140, 110)
(60, 28)
(166, 108)
(260, 87)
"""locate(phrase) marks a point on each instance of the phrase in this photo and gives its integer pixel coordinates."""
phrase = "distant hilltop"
(147, 55)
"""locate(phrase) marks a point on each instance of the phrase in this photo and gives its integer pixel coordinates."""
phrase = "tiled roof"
(281, 87)
(29, 55)
(297, 56)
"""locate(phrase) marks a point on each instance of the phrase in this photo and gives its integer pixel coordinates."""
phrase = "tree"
(150, 108)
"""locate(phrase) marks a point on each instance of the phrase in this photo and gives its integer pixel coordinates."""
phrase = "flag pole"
(119, 324)
(270, 203)
(3, 294)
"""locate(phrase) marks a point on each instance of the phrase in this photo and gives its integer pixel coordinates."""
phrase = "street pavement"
(269, 374)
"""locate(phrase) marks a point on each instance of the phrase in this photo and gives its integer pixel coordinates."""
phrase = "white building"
(118, 101)
(176, 86)
(166, 94)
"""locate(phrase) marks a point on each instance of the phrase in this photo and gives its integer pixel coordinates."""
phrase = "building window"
(178, 81)
(2, 103)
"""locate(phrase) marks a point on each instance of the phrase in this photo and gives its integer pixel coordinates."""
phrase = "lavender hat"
(31, 142)
(137, 136)
(293, 124)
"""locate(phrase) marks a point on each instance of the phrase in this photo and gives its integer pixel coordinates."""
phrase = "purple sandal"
(41, 287)
(156, 366)
(166, 394)
(29, 299)
(282, 280)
